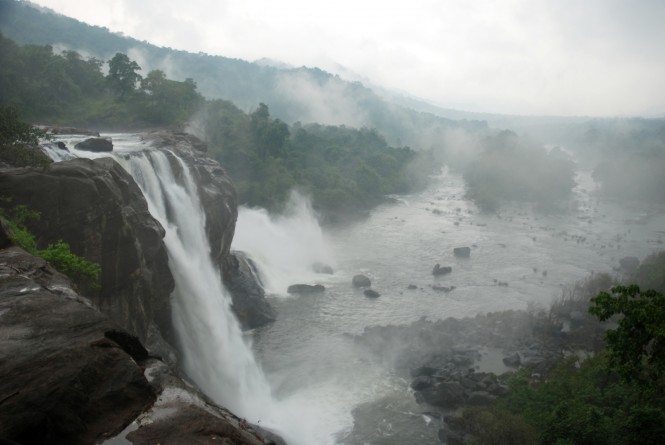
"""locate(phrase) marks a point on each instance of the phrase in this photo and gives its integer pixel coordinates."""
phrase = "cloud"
(598, 57)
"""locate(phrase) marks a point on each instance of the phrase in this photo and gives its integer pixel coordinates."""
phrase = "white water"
(214, 352)
(284, 247)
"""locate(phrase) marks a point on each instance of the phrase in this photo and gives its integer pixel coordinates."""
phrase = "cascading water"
(214, 353)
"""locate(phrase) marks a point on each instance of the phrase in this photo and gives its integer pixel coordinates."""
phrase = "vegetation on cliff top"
(18, 148)
(81, 271)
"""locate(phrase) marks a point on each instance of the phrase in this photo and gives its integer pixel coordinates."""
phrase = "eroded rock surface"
(96, 207)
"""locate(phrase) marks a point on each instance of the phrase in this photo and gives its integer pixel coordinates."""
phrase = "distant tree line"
(65, 88)
(345, 170)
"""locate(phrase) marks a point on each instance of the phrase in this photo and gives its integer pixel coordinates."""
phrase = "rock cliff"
(220, 204)
(69, 375)
(96, 207)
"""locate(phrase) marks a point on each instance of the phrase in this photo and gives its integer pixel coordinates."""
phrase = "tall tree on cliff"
(123, 76)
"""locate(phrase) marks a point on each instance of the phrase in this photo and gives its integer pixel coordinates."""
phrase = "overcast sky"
(562, 57)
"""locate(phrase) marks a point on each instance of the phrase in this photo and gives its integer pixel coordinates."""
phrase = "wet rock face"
(95, 145)
(217, 192)
(96, 207)
(248, 297)
(220, 204)
(63, 379)
(69, 375)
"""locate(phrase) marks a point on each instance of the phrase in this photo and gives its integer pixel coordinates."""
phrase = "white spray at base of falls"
(284, 247)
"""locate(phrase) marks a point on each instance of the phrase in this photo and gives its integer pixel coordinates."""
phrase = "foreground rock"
(97, 145)
(371, 293)
(66, 375)
(70, 375)
(96, 207)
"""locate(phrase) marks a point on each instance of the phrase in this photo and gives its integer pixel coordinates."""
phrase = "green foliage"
(123, 76)
(586, 402)
(59, 255)
(65, 88)
(19, 141)
(345, 170)
(167, 101)
(510, 169)
(637, 347)
(491, 426)
(77, 268)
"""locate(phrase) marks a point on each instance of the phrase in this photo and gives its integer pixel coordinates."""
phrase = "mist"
(423, 250)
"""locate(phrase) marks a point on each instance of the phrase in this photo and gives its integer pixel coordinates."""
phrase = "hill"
(294, 94)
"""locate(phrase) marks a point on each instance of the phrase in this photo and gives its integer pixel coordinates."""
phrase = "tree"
(123, 76)
(19, 141)
(637, 346)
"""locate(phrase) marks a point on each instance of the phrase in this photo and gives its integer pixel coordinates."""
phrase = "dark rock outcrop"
(305, 289)
(462, 252)
(63, 376)
(217, 193)
(96, 207)
(95, 144)
(69, 375)
(361, 281)
(371, 293)
(441, 270)
(249, 299)
(219, 202)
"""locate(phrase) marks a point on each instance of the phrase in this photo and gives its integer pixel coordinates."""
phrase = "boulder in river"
(371, 293)
(95, 144)
(305, 289)
(361, 281)
(441, 270)
(462, 252)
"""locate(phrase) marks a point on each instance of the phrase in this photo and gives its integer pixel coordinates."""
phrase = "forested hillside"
(345, 170)
(302, 94)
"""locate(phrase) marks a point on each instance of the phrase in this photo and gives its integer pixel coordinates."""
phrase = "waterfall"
(214, 354)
